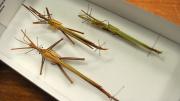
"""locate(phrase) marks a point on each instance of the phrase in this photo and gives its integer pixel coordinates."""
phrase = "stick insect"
(50, 55)
(68, 32)
(115, 31)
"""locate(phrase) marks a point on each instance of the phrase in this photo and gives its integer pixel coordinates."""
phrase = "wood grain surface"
(168, 9)
(14, 87)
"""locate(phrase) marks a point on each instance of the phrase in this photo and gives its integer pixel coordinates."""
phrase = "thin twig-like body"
(52, 56)
(68, 32)
(115, 31)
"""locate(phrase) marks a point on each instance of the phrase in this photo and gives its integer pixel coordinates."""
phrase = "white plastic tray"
(139, 77)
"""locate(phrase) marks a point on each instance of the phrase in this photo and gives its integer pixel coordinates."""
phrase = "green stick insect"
(115, 31)
(50, 55)
(68, 32)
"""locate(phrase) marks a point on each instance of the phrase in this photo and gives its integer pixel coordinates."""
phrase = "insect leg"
(65, 74)
(42, 63)
(71, 58)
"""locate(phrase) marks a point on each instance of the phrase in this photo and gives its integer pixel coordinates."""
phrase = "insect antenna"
(28, 51)
(24, 42)
(35, 13)
(21, 41)
(38, 15)
(37, 42)
(32, 11)
(88, 8)
(25, 36)
(88, 13)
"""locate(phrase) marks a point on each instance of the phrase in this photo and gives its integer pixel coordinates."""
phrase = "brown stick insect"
(68, 32)
(50, 55)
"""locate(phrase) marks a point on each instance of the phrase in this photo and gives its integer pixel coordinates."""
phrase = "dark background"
(14, 87)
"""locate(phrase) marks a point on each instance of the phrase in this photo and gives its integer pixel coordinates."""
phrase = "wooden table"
(14, 87)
